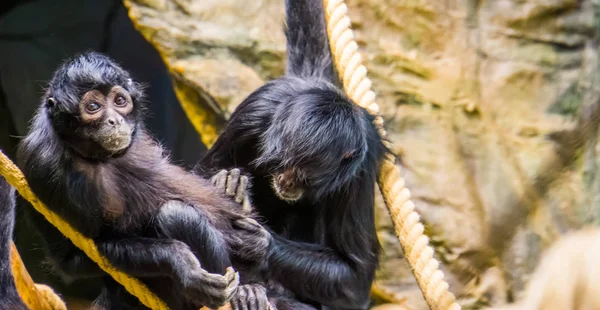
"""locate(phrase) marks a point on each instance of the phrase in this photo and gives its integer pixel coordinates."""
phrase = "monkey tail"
(307, 44)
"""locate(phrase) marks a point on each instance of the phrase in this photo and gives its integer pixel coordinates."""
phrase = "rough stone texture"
(470, 90)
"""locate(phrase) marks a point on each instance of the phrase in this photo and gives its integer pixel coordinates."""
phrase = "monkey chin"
(115, 143)
(289, 195)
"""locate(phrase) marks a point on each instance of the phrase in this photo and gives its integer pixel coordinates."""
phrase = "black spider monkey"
(313, 156)
(9, 297)
(89, 158)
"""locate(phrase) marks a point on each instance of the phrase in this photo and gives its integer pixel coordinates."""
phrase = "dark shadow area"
(35, 37)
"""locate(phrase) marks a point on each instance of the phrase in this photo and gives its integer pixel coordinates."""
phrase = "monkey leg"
(189, 225)
(234, 185)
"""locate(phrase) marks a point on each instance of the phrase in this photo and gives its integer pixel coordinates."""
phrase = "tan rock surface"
(470, 91)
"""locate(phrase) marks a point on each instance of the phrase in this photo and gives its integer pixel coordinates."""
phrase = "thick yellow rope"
(35, 296)
(409, 230)
(13, 175)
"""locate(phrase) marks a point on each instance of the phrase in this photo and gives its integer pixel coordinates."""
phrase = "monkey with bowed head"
(313, 156)
(89, 158)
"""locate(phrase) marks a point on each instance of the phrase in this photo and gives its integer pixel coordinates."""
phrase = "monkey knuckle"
(233, 284)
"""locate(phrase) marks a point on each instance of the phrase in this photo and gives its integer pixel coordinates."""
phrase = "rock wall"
(489, 104)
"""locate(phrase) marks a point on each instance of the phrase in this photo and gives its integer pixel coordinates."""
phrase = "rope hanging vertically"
(407, 225)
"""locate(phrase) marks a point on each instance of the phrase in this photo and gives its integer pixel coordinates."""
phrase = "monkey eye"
(120, 101)
(92, 107)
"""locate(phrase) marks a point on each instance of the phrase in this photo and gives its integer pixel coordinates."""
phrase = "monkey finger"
(246, 207)
(233, 180)
(222, 174)
(262, 302)
(246, 305)
(240, 298)
(242, 189)
(232, 286)
(235, 303)
(219, 180)
(252, 298)
(231, 291)
(230, 274)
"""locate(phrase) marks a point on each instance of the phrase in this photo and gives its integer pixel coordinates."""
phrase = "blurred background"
(491, 105)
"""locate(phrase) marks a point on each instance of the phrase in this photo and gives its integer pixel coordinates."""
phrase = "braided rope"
(407, 225)
(15, 178)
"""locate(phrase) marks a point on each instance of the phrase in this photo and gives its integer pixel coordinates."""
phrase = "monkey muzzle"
(287, 187)
(115, 138)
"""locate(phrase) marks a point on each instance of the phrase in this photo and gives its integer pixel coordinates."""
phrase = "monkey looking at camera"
(313, 156)
(89, 158)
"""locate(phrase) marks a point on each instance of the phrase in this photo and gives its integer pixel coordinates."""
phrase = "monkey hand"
(210, 289)
(251, 297)
(251, 240)
(234, 185)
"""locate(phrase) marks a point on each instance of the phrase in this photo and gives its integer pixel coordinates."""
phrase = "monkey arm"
(151, 257)
(319, 273)
(140, 257)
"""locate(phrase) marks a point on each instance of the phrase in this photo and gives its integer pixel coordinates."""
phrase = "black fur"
(326, 247)
(9, 297)
(138, 207)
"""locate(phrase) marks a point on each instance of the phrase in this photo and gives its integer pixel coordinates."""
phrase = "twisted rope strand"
(407, 225)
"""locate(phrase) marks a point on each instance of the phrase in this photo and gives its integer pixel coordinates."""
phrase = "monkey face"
(100, 124)
(314, 146)
(315, 175)
(94, 106)
(106, 119)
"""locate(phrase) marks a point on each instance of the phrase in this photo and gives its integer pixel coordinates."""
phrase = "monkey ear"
(51, 102)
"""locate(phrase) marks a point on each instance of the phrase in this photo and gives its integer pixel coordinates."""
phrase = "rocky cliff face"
(489, 104)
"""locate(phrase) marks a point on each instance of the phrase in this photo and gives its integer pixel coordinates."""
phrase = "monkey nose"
(284, 182)
(114, 121)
